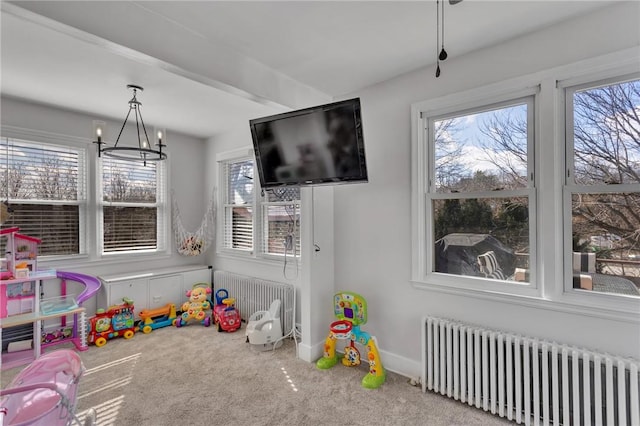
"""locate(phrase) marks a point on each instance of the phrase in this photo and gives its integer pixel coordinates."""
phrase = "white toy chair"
(264, 328)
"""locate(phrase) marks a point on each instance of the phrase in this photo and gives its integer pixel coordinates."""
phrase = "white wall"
(314, 279)
(373, 223)
(186, 163)
(269, 270)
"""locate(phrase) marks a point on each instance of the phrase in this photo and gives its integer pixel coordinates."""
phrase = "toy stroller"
(45, 392)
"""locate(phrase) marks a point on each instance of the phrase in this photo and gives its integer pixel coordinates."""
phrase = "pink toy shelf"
(20, 305)
(17, 298)
(21, 259)
(21, 254)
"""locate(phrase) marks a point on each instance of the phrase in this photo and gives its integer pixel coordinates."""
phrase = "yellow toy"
(150, 319)
(351, 311)
(195, 308)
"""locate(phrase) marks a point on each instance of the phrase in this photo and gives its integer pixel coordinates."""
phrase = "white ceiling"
(208, 65)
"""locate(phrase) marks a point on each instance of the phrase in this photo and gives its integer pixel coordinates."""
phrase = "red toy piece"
(225, 313)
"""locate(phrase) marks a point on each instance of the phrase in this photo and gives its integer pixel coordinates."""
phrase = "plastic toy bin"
(52, 305)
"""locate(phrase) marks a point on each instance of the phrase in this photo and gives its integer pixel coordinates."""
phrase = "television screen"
(312, 146)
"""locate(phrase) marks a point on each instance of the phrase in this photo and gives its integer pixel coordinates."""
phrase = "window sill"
(267, 260)
(571, 303)
(85, 261)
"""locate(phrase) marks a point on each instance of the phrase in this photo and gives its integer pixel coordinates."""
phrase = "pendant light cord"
(437, 38)
(442, 38)
(437, 26)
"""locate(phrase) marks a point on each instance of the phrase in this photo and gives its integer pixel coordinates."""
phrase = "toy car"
(225, 314)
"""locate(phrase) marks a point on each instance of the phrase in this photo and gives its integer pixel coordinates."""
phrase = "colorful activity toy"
(195, 309)
(225, 314)
(117, 321)
(150, 319)
(351, 311)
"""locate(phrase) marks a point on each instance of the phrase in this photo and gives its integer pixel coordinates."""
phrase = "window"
(261, 225)
(281, 222)
(45, 187)
(602, 191)
(480, 191)
(238, 205)
(133, 206)
(478, 195)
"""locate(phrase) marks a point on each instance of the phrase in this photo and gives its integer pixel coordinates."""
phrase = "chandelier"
(143, 151)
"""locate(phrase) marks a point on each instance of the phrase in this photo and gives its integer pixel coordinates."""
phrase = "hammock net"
(194, 243)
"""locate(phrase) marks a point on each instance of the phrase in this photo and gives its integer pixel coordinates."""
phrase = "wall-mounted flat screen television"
(311, 146)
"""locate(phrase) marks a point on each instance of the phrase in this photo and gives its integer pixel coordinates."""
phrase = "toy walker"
(351, 311)
(195, 309)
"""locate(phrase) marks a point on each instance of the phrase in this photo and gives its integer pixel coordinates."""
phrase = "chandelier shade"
(143, 151)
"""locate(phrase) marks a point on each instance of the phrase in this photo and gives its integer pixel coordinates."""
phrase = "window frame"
(264, 206)
(228, 207)
(163, 220)
(259, 204)
(29, 136)
(424, 192)
(550, 171)
(567, 89)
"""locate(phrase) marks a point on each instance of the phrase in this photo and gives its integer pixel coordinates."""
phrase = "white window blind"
(281, 222)
(133, 209)
(263, 223)
(238, 205)
(45, 187)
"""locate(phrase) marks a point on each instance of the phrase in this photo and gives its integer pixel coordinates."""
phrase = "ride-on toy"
(225, 313)
(150, 319)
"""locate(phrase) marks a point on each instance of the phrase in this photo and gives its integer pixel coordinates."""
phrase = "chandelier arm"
(144, 128)
(122, 128)
(138, 128)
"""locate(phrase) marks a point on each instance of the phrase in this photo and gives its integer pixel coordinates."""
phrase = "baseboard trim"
(310, 353)
(401, 365)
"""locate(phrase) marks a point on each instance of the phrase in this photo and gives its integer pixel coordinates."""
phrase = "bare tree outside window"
(44, 185)
(606, 173)
(606, 154)
(480, 199)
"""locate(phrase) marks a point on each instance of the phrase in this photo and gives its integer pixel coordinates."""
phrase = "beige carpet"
(197, 376)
